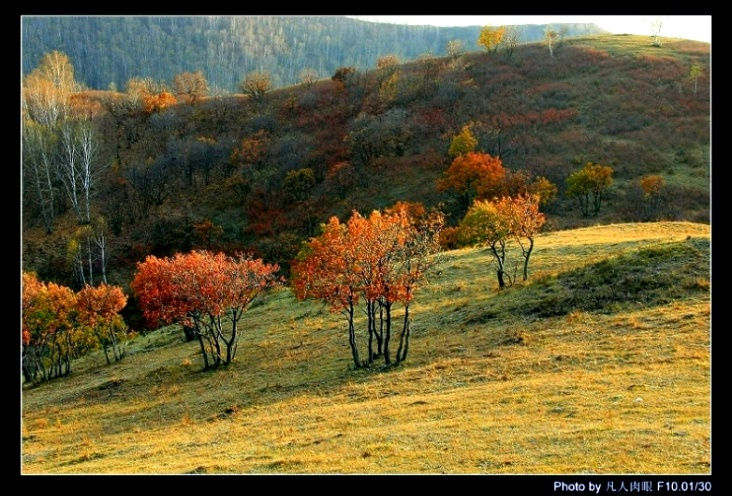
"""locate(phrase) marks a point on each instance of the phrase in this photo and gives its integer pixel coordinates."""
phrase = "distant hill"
(108, 51)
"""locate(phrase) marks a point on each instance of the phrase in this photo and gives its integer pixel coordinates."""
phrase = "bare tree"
(68, 168)
(656, 26)
(45, 104)
(38, 169)
(88, 149)
(100, 240)
(387, 61)
(550, 38)
(77, 169)
(455, 50)
(510, 40)
(308, 76)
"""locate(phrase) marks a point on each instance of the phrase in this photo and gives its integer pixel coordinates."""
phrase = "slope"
(600, 364)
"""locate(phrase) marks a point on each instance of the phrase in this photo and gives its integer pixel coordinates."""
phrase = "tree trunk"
(404, 338)
(371, 311)
(189, 333)
(500, 271)
(101, 339)
(527, 255)
(352, 336)
(597, 202)
(203, 352)
(116, 351)
(387, 337)
(231, 344)
(380, 333)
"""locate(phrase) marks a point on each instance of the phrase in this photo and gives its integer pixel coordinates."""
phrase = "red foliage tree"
(203, 291)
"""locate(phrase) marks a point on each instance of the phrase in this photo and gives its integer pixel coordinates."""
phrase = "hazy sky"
(692, 27)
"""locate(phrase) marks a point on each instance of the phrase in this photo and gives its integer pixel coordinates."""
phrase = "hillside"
(599, 364)
(261, 173)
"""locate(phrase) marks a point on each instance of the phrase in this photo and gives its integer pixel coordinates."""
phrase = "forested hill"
(109, 51)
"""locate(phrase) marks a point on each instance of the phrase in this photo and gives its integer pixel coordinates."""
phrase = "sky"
(691, 27)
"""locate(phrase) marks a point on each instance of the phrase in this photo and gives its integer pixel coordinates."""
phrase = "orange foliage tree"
(154, 103)
(379, 259)
(202, 290)
(98, 309)
(251, 152)
(33, 335)
(59, 325)
(472, 175)
(415, 254)
(50, 337)
(206, 232)
(652, 187)
(520, 182)
(325, 269)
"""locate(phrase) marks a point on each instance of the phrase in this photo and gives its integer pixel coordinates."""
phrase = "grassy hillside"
(600, 364)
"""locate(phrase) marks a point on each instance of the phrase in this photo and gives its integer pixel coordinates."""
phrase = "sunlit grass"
(486, 389)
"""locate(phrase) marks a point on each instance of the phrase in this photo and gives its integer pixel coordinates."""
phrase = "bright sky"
(691, 27)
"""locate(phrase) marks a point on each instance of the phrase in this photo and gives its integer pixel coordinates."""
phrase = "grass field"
(599, 364)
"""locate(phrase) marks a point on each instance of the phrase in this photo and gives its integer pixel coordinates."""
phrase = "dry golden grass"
(624, 389)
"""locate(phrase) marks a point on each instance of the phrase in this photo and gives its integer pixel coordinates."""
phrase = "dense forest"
(109, 51)
(112, 177)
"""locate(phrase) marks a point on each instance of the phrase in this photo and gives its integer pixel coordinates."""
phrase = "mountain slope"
(619, 385)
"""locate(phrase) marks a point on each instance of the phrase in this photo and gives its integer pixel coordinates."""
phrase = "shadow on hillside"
(647, 277)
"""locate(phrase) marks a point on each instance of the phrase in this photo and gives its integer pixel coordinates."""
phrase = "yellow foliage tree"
(593, 179)
(463, 142)
(490, 37)
(256, 84)
(694, 73)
